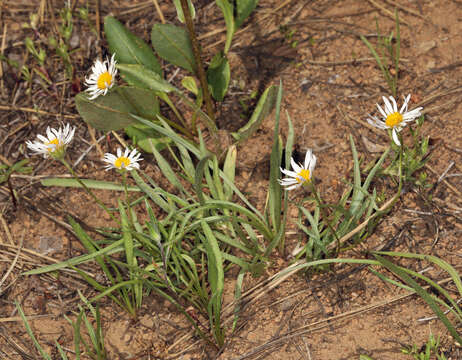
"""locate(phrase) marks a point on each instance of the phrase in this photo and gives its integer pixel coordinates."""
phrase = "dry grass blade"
(6, 229)
(36, 111)
(344, 62)
(159, 11)
(13, 264)
(318, 325)
(450, 187)
(406, 9)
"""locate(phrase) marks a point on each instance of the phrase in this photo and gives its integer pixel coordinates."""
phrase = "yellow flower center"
(394, 119)
(104, 80)
(55, 141)
(122, 162)
(305, 174)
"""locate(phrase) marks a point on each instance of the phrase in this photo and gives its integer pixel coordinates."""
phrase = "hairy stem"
(200, 70)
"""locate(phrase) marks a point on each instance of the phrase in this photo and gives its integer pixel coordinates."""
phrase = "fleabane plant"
(128, 160)
(301, 174)
(102, 77)
(392, 119)
(111, 105)
(54, 144)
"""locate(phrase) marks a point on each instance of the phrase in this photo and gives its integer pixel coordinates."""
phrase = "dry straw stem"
(119, 139)
(447, 183)
(217, 31)
(12, 132)
(36, 111)
(6, 229)
(13, 263)
(436, 96)
(388, 12)
(29, 317)
(318, 325)
(2, 50)
(406, 9)
(95, 143)
(159, 11)
(361, 226)
(345, 62)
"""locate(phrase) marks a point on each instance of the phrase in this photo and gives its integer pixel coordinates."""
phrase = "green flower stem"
(87, 189)
(400, 174)
(324, 214)
(127, 198)
(184, 128)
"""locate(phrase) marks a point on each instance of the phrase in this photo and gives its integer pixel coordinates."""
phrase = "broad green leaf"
(218, 75)
(227, 9)
(91, 184)
(127, 47)
(189, 83)
(112, 111)
(179, 10)
(244, 9)
(264, 107)
(172, 43)
(142, 77)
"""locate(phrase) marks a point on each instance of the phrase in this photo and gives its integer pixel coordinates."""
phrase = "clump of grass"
(387, 54)
(430, 350)
(94, 349)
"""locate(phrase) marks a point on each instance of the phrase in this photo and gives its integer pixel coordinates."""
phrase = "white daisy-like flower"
(300, 174)
(394, 119)
(54, 144)
(126, 161)
(102, 78)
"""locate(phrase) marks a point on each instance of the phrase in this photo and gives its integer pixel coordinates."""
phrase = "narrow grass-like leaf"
(264, 106)
(90, 183)
(168, 172)
(436, 260)
(422, 293)
(385, 71)
(30, 333)
(227, 10)
(216, 279)
(199, 174)
(111, 249)
(275, 189)
(229, 169)
(61, 351)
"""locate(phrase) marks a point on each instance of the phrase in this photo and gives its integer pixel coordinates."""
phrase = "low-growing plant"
(324, 231)
(431, 348)
(193, 233)
(94, 349)
(387, 54)
(109, 106)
